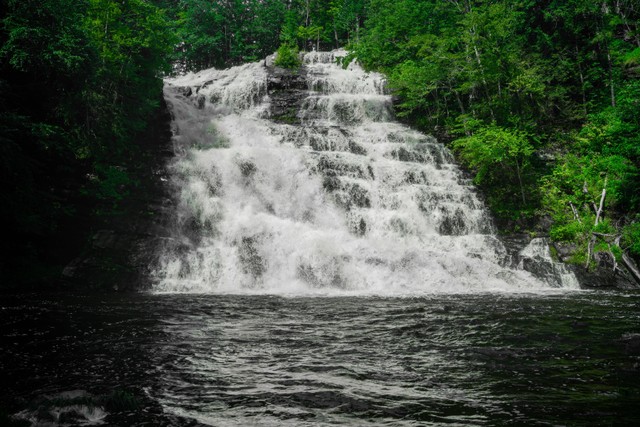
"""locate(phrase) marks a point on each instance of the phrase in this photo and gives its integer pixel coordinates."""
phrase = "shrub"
(631, 238)
(287, 57)
(567, 232)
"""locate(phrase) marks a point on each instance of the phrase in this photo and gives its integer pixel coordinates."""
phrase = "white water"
(347, 202)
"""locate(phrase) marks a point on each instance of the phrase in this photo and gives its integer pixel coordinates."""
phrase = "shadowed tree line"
(78, 83)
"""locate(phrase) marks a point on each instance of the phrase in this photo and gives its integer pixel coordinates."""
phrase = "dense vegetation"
(222, 33)
(539, 99)
(78, 82)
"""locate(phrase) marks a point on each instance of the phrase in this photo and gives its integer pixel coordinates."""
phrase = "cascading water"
(320, 192)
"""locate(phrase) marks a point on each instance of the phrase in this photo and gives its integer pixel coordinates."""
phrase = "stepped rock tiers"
(302, 182)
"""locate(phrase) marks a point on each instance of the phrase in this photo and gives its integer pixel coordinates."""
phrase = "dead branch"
(613, 257)
(604, 194)
(575, 213)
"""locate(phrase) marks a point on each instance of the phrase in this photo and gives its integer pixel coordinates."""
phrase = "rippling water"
(564, 359)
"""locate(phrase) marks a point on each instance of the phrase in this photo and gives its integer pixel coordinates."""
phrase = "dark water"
(270, 361)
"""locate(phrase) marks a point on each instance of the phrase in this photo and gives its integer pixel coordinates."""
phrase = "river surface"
(477, 359)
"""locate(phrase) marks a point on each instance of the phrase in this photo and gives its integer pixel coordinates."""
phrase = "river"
(563, 358)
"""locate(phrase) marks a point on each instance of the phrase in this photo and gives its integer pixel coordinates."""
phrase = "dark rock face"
(121, 252)
(287, 90)
(603, 278)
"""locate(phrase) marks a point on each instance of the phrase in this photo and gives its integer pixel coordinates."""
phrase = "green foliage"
(79, 80)
(494, 152)
(631, 238)
(133, 44)
(112, 183)
(462, 60)
(220, 34)
(32, 44)
(287, 57)
(567, 232)
(309, 35)
(566, 72)
(500, 158)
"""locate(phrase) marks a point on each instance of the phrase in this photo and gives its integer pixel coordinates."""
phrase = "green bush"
(567, 232)
(287, 57)
(631, 238)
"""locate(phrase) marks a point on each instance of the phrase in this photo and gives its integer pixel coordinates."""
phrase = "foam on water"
(347, 202)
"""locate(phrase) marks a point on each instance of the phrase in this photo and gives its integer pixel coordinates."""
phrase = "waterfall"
(304, 184)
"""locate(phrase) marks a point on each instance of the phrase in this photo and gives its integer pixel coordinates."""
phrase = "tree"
(78, 80)
(496, 154)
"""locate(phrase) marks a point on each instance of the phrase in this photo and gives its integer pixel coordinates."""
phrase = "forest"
(538, 99)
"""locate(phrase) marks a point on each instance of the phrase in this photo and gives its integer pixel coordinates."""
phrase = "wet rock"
(247, 168)
(564, 250)
(404, 155)
(327, 275)
(330, 183)
(201, 101)
(453, 225)
(357, 149)
(252, 262)
(602, 276)
(371, 174)
(362, 227)
(538, 259)
(338, 167)
(286, 90)
(415, 177)
(280, 79)
(355, 195)
(605, 274)
(358, 225)
(185, 91)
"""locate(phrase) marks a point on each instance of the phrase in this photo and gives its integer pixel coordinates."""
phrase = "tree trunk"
(604, 194)
(592, 241)
(581, 74)
(575, 213)
(631, 267)
(611, 84)
(524, 201)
